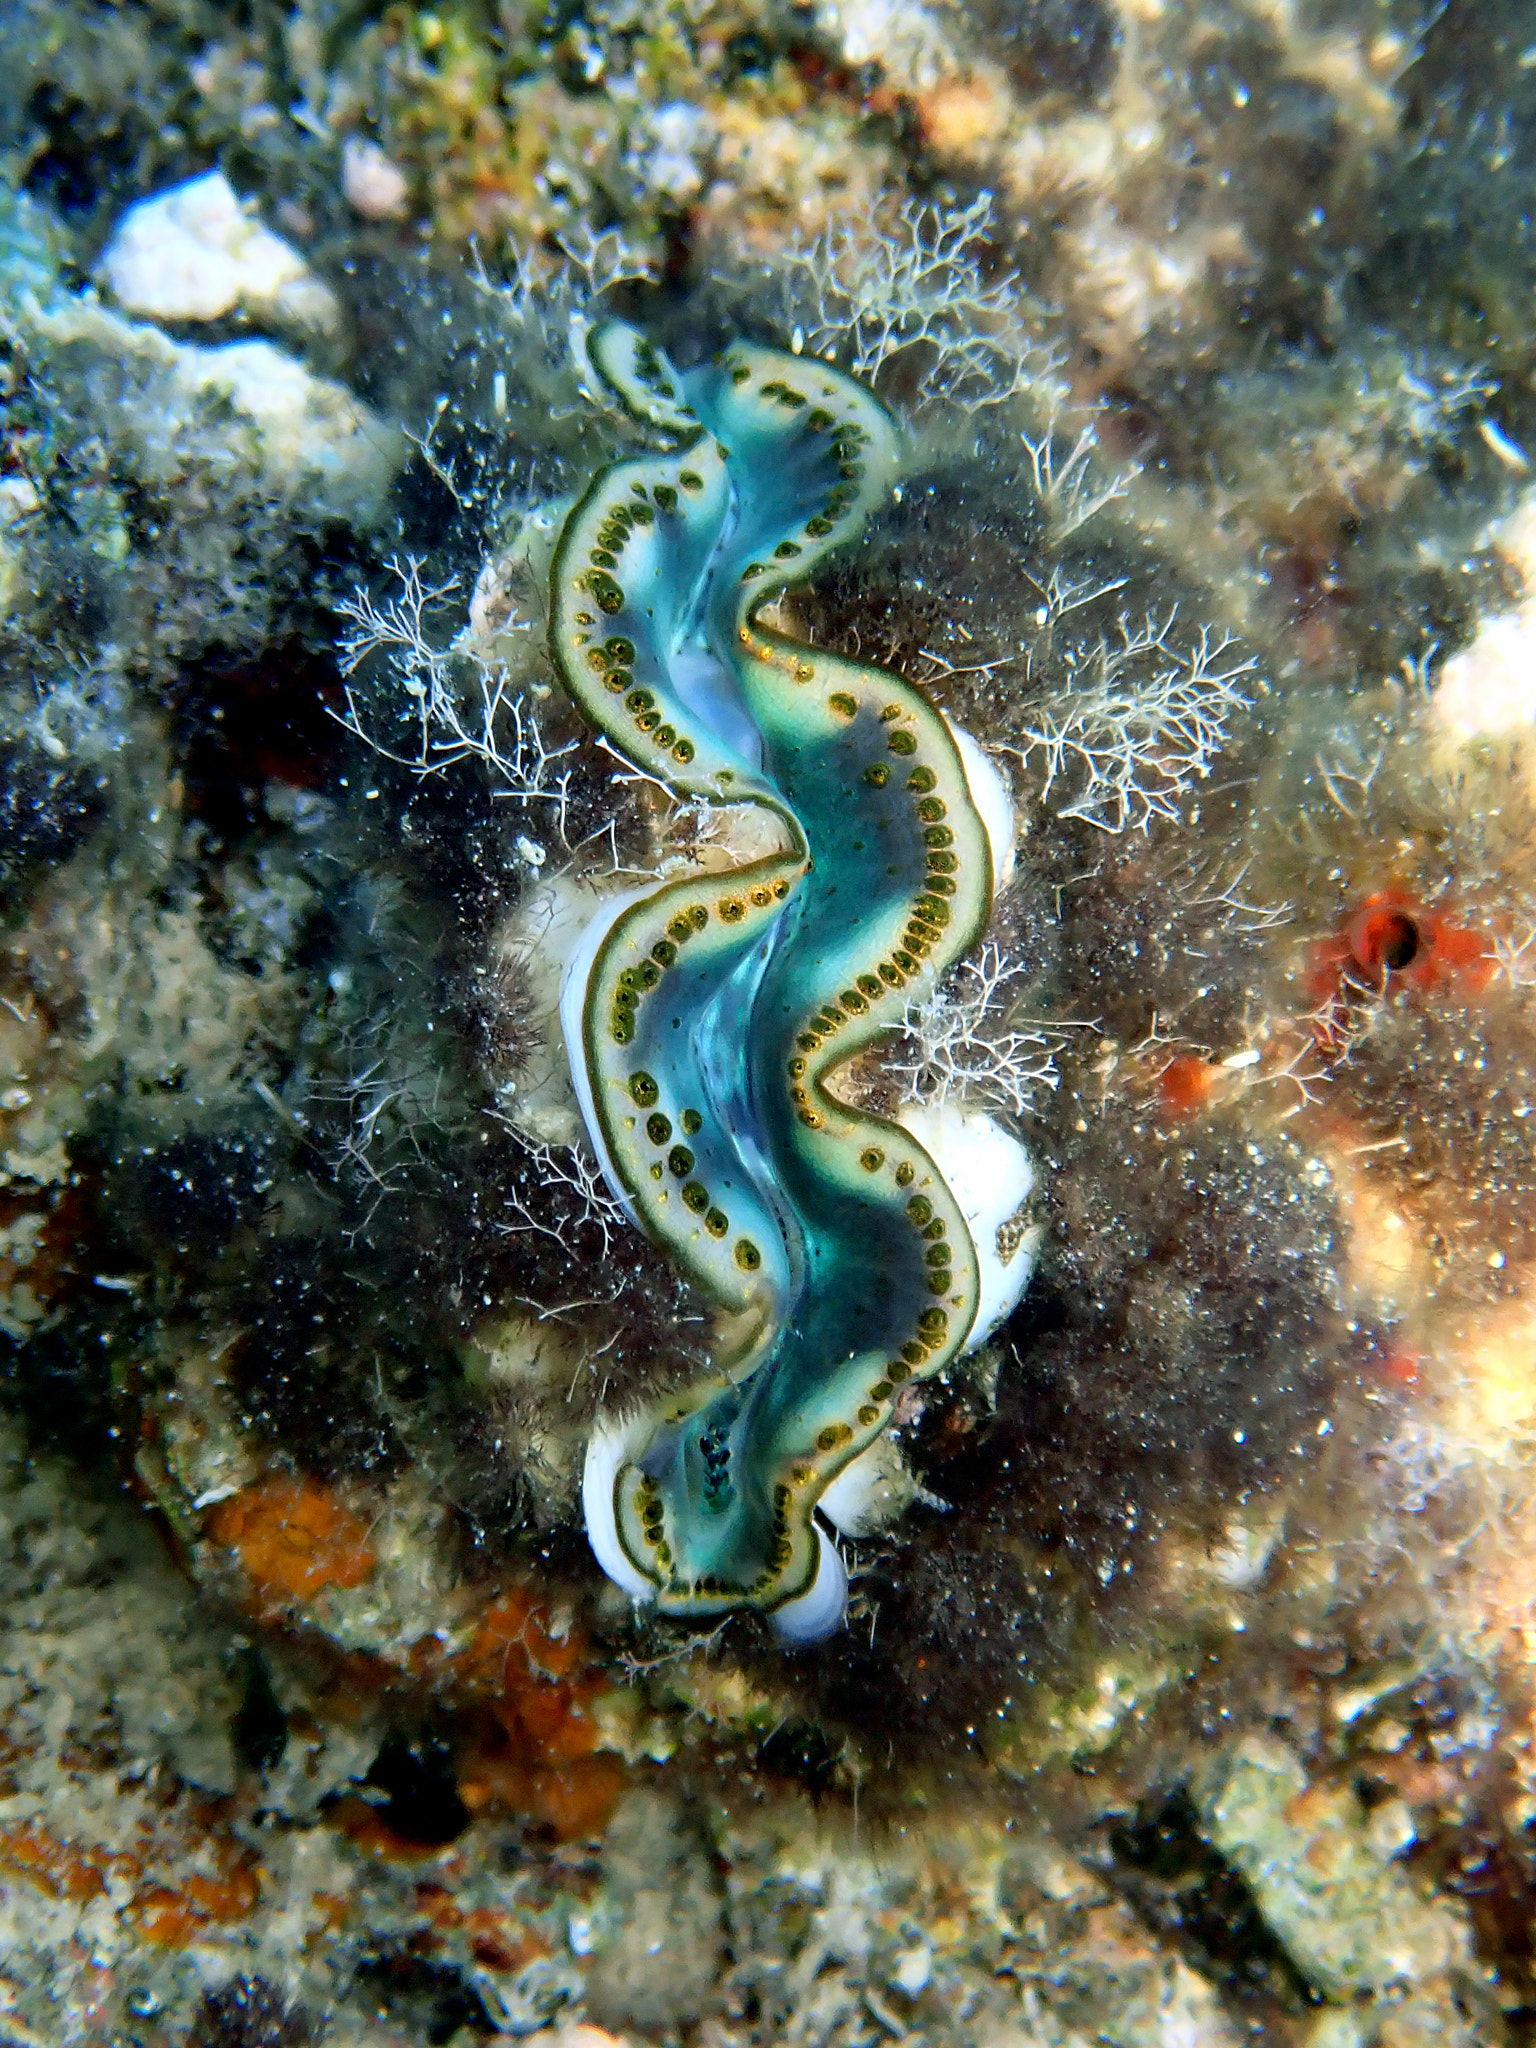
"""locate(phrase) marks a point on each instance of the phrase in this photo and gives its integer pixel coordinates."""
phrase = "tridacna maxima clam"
(705, 1017)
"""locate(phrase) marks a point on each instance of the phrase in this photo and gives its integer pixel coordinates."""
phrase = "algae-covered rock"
(76, 1674)
(1195, 322)
(659, 1936)
(296, 434)
(1326, 1882)
(1132, 1995)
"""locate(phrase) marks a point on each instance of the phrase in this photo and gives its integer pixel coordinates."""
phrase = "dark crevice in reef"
(295, 1369)
(1198, 1350)
(802, 1752)
(412, 1780)
(248, 2012)
(48, 808)
(86, 161)
(188, 1195)
(260, 1726)
(59, 1380)
(1185, 1891)
(432, 2000)
(245, 721)
(955, 1633)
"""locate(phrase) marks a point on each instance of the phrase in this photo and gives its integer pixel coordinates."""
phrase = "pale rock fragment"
(1113, 1985)
(912, 1970)
(679, 136)
(1340, 2028)
(373, 184)
(1441, 2017)
(1488, 690)
(309, 431)
(19, 500)
(903, 37)
(1241, 1557)
(576, 2034)
(964, 119)
(194, 253)
(1348, 1915)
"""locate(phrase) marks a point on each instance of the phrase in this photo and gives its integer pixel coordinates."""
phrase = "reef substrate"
(1185, 1689)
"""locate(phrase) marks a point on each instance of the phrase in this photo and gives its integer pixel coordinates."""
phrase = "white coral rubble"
(194, 253)
(1489, 688)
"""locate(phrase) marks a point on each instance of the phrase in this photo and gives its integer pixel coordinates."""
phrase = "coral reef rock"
(1172, 1675)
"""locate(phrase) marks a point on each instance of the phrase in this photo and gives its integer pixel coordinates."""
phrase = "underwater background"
(1184, 1693)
